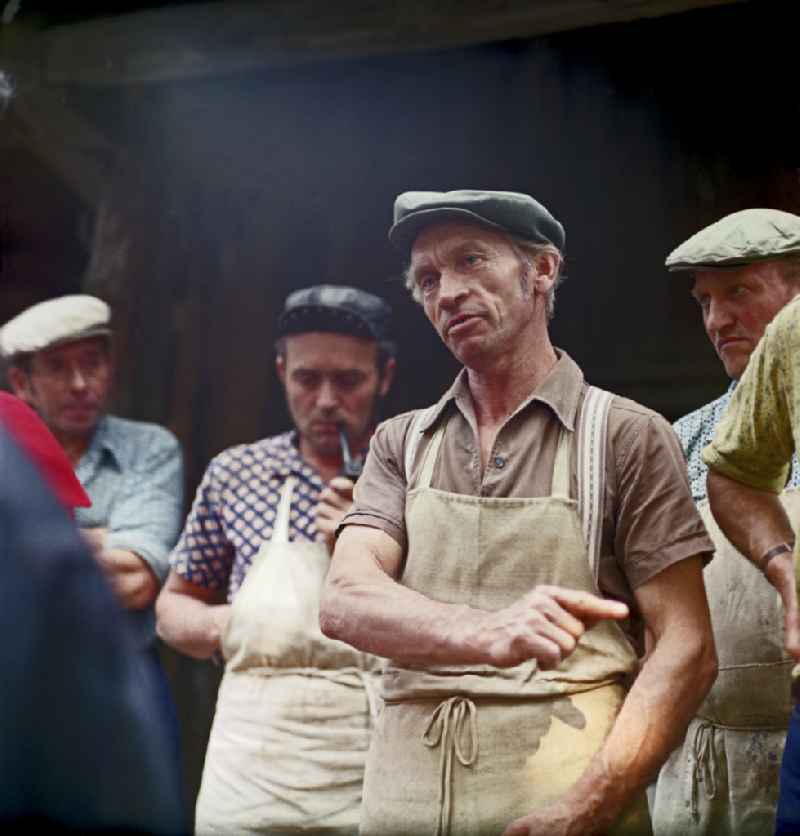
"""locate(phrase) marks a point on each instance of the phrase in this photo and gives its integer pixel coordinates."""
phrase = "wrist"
(779, 550)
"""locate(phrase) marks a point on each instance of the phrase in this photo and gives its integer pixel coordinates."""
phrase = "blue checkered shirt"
(235, 508)
(696, 430)
(133, 473)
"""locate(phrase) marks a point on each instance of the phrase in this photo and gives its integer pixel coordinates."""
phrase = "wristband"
(781, 548)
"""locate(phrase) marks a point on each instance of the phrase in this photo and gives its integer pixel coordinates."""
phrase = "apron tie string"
(704, 758)
(454, 726)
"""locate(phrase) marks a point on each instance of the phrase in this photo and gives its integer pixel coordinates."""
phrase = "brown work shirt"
(649, 518)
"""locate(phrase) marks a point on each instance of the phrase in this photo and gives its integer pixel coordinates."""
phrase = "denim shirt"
(133, 473)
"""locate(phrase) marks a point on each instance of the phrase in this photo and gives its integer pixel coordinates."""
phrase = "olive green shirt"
(758, 433)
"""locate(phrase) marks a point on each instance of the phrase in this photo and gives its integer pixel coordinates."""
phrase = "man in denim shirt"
(59, 361)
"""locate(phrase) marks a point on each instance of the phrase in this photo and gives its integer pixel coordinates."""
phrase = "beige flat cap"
(740, 238)
(56, 321)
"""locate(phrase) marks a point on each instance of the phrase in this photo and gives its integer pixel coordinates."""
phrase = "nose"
(451, 289)
(327, 397)
(77, 379)
(718, 317)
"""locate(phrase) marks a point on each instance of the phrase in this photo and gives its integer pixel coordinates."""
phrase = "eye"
(738, 290)
(427, 282)
(472, 259)
(306, 379)
(348, 380)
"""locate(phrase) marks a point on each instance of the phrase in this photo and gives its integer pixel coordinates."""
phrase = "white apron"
(723, 779)
(465, 750)
(294, 710)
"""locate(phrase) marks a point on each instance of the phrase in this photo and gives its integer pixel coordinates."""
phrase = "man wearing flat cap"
(294, 711)
(750, 460)
(723, 779)
(59, 361)
(506, 550)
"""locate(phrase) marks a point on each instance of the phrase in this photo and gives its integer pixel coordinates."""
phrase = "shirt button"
(499, 462)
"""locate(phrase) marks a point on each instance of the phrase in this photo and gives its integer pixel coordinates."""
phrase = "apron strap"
(560, 485)
(280, 531)
(454, 727)
(412, 441)
(592, 436)
(430, 456)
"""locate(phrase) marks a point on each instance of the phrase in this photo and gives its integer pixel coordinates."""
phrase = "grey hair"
(526, 253)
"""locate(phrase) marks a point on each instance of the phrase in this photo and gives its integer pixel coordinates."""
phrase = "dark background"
(195, 193)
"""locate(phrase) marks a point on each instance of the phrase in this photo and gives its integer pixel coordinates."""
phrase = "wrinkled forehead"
(441, 238)
(74, 348)
(709, 279)
(328, 352)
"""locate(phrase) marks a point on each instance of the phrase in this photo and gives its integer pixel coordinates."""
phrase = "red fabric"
(32, 435)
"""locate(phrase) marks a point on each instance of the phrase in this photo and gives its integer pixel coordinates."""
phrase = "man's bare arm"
(664, 697)
(364, 606)
(755, 522)
(131, 577)
(191, 618)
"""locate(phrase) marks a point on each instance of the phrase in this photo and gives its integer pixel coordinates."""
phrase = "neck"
(327, 466)
(74, 446)
(498, 391)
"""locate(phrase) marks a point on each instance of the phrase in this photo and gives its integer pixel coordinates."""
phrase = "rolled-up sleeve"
(146, 515)
(754, 441)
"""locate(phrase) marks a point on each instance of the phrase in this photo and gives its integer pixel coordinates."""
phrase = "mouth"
(460, 322)
(730, 342)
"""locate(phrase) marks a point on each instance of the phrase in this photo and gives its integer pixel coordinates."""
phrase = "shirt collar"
(561, 391)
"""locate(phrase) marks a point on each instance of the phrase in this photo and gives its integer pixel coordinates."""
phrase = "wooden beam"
(213, 39)
(43, 121)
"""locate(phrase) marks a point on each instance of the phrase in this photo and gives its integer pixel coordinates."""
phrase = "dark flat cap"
(511, 212)
(335, 309)
(737, 239)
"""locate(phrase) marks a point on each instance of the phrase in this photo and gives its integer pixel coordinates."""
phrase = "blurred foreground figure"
(83, 742)
(294, 711)
(60, 362)
(489, 535)
(723, 779)
(749, 463)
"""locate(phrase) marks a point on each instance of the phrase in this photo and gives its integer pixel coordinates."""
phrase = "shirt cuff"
(759, 480)
(396, 532)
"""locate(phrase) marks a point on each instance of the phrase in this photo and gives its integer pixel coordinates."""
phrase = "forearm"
(753, 520)
(652, 722)
(370, 611)
(189, 625)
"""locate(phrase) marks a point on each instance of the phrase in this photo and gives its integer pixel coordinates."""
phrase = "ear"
(388, 376)
(280, 367)
(21, 384)
(545, 266)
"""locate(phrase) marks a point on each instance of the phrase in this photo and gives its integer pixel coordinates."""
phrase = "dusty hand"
(544, 625)
(335, 501)
(781, 574)
(553, 820)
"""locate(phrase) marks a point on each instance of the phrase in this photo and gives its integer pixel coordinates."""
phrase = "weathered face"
(68, 385)
(737, 305)
(475, 290)
(331, 379)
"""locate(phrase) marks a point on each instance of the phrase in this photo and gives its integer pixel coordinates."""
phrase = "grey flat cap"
(740, 238)
(511, 212)
(335, 309)
(53, 322)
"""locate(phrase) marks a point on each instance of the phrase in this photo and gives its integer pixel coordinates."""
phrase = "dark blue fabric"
(787, 820)
(84, 740)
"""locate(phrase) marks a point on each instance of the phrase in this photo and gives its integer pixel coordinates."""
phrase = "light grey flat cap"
(56, 321)
(740, 238)
(511, 212)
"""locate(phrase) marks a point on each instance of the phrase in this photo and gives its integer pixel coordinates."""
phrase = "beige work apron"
(723, 779)
(467, 749)
(294, 710)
